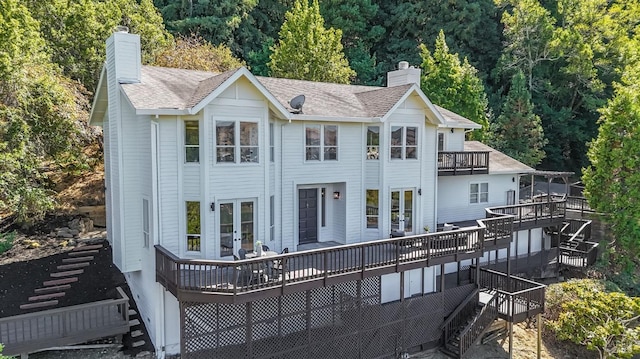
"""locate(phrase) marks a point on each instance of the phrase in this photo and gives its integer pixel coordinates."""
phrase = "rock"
(74, 224)
(74, 232)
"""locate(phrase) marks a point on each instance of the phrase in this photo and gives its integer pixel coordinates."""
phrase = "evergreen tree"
(306, 50)
(518, 130)
(612, 182)
(355, 19)
(453, 85)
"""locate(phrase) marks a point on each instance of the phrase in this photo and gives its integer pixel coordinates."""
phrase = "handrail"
(460, 307)
(528, 214)
(583, 228)
(473, 330)
(348, 261)
(63, 326)
(452, 162)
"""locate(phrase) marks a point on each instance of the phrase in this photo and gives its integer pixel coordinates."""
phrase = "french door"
(402, 210)
(236, 226)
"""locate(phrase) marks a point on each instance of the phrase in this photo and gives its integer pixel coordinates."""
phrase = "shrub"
(6, 242)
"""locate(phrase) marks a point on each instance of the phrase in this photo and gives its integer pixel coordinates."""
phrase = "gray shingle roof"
(498, 161)
(169, 88)
(456, 121)
(165, 88)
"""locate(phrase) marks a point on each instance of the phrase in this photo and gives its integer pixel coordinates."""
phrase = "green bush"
(6, 242)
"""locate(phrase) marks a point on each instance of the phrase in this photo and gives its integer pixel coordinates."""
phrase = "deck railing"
(31, 332)
(584, 255)
(518, 298)
(460, 315)
(530, 215)
(578, 204)
(326, 266)
(472, 332)
(463, 163)
(579, 229)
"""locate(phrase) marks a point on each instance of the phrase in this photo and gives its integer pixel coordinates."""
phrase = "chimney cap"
(403, 65)
(122, 29)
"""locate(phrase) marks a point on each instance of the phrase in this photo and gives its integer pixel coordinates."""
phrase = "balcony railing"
(518, 298)
(578, 204)
(463, 163)
(250, 279)
(532, 215)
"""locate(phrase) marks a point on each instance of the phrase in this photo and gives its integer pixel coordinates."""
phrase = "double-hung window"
(404, 142)
(440, 142)
(321, 142)
(236, 142)
(479, 192)
(373, 142)
(371, 209)
(191, 142)
(145, 223)
(193, 226)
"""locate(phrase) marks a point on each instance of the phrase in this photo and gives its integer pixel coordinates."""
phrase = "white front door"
(236, 226)
(402, 210)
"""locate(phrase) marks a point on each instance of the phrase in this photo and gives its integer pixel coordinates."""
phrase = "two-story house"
(201, 167)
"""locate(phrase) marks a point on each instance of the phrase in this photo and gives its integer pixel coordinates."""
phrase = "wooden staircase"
(466, 325)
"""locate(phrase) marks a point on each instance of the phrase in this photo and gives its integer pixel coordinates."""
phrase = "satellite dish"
(296, 103)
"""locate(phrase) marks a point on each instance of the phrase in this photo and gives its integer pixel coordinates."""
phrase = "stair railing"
(479, 325)
(460, 315)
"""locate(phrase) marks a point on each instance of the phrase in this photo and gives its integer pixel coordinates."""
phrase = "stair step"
(46, 296)
(56, 288)
(67, 273)
(87, 248)
(139, 343)
(136, 333)
(83, 253)
(132, 312)
(134, 322)
(73, 265)
(77, 259)
(39, 304)
(60, 281)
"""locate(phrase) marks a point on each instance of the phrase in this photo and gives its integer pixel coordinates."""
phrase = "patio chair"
(265, 248)
(279, 266)
(255, 271)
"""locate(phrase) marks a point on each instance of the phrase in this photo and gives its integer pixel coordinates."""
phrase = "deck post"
(511, 337)
(539, 320)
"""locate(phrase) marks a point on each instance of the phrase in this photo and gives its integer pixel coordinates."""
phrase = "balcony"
(218, 281)
(532, 215)
(463, 163)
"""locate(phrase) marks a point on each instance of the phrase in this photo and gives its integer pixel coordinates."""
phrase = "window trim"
(366, 207)
(146, 222)
(478, 193)
(322, 147)
(403, 146)
(237, 146)
(186, 228)
(272, 142)
(440, 136)
(186, 146)
(369, 154)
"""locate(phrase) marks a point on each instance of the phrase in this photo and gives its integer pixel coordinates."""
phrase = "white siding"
(453, 196)
(168, 185)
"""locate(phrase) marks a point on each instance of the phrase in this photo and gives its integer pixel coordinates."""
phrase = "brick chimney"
(403, 75)
(123, 56)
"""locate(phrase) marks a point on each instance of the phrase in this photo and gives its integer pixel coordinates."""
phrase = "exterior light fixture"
(336, 195)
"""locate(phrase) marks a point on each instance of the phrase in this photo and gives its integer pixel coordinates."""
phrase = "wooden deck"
(246, 280)
(65, 326)
(533, 215)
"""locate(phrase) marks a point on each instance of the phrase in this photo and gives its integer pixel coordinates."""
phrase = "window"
(479, 192)
(191, 141)
(440, 142)
(372, 208)
(373, 142)
(321, 142)
(272, 218)
(404, 142)
(272, 144)
(145, 223)
(236, 141)
(193, 226)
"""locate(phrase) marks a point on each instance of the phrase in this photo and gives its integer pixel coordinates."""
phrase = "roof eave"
(303, 117)
(415, 88)
(241, 72)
